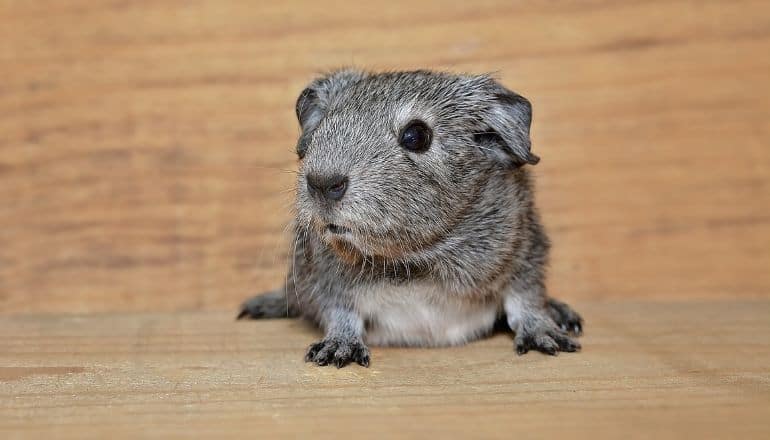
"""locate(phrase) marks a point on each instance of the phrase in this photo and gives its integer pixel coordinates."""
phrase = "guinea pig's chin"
(335, 235)
(354, 248)
(344, 245)
(344, 242)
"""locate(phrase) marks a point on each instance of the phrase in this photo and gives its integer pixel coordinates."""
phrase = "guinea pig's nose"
(330, 187)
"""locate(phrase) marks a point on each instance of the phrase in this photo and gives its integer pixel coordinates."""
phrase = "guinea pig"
(415, 220)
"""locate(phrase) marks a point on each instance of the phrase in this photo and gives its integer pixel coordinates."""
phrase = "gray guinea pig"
(415, 218)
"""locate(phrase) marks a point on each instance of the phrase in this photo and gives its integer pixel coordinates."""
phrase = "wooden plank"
(146, 147)
(648, 370)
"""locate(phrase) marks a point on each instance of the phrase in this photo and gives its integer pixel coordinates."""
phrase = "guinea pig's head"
(390, 163)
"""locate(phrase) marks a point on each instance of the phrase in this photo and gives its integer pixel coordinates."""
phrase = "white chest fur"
(418, 315)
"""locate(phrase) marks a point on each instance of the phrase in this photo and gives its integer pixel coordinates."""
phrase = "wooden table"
(648, 370)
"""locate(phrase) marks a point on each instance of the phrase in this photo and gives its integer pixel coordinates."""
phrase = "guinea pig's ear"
(314, 101)
(507, 121)
(319, 94)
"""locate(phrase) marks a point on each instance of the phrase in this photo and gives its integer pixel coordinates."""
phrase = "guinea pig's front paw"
(544, 336)
(338, 352)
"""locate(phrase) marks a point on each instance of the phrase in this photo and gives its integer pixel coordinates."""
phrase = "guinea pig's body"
(415, 222)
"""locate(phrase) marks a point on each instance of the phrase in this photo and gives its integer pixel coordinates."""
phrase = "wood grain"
(146, 147)
(648, 370)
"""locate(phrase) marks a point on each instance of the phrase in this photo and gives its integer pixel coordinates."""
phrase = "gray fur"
(439, 244)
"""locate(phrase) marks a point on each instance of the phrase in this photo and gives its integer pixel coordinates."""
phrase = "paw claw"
(577, 329)
(551, 351)
(361, 356)
(567, 319)
(250, 311)
(312, 351)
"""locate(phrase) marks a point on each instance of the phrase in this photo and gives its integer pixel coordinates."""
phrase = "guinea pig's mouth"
(342, 241)
(354, 244)
(337, 229)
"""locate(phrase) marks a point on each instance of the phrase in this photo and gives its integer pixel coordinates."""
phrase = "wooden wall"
(146, 146)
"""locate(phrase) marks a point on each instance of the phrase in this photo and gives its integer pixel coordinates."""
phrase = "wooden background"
(145, 145)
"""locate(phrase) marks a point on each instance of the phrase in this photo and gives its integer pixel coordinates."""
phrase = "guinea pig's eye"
(416, 137)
